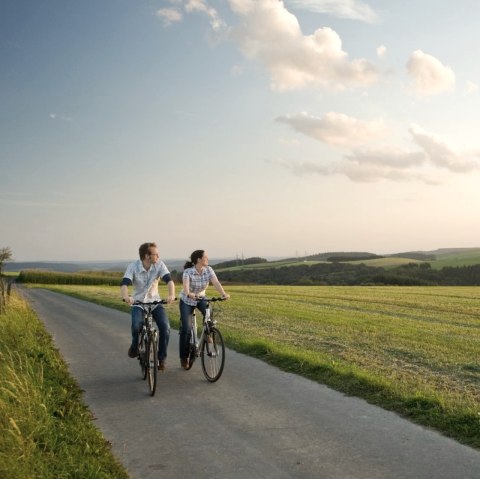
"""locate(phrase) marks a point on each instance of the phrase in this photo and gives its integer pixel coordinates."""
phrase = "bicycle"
(209, 346)
(148, 344)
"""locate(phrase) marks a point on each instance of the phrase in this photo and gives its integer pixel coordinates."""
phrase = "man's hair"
(145, 249)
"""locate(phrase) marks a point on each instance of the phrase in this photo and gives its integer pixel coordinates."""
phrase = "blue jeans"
(185, 318)
(160, 317)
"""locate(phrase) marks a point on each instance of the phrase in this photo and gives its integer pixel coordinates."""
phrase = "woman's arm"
(219, 287)
(186, 285)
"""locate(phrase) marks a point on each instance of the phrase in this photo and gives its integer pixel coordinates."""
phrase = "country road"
(255, 422)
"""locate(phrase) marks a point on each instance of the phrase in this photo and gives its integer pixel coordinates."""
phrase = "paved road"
(255, 422)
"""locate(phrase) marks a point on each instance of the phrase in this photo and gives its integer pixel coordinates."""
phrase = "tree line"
(336, 273)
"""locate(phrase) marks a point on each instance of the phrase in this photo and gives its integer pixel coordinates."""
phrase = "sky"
(242, 127)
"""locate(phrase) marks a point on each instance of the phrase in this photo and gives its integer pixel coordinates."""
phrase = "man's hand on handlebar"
(131, 301)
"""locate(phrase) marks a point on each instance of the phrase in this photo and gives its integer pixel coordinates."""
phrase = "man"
(144, 275)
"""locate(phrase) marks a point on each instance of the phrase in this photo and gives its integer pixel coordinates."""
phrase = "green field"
(457, 258)
(414, 350)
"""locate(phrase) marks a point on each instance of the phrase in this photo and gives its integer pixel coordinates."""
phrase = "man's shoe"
(184, 363)
(132, 352)
(161, 365)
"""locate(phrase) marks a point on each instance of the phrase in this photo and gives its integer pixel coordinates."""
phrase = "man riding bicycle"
(144, 275)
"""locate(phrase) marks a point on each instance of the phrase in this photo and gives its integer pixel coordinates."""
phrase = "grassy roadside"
(47, 431)
(412, 350)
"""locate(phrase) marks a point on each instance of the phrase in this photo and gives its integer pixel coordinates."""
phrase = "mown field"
(413, 350)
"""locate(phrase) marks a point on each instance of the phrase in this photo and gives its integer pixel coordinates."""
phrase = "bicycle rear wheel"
(192, 352)
(152, 361)
(213, 355)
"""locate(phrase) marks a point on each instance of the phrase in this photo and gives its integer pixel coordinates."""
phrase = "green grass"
(413, 350)
(47, 431)
(460, 258)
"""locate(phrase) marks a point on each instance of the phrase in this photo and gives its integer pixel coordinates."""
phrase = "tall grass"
(46, 429)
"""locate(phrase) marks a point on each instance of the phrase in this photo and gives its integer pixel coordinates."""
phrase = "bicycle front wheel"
(213, 355)
(142, 356)
(152, 364)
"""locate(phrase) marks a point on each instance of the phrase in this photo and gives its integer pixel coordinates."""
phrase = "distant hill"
(439, 258)
(75, 267)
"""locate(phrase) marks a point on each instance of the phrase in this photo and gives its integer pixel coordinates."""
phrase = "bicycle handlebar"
(141, 303)
(204, 298)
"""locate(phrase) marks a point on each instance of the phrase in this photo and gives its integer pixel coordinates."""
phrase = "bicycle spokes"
(213, 355)
(152, 364)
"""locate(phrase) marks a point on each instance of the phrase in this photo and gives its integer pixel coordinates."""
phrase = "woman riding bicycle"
(197, 275)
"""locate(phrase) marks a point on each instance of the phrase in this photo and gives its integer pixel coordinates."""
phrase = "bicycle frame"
(207, 323)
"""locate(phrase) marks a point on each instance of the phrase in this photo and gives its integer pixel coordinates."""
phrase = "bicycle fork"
(197, 341)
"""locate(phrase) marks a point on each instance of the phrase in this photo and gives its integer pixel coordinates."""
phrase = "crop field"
(413, 350)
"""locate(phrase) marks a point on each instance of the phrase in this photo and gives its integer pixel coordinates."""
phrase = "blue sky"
(255, 128)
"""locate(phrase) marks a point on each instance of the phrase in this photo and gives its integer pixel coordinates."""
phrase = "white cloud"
(169, 15)
(335, 128)
(388, 163)
(354, 9)
(175, 14)
(429, 75)
(387, 157)
(271, 35)
(59, 117)
(470, 87)
(201, 6)
(443, 156)
(428, 157)
(375, 173)
(381, 51)
(360, 170)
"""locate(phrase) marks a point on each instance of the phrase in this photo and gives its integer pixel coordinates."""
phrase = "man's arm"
(124, 290)
(171, 287)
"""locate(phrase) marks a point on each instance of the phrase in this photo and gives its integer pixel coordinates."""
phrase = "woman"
(196, 277)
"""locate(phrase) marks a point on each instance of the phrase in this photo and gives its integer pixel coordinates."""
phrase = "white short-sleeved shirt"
(145, 283)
